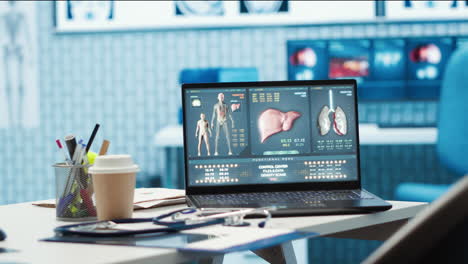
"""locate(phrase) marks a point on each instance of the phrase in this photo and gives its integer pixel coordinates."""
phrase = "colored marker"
(59, 144)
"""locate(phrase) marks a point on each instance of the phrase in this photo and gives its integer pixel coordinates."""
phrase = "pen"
(71, 145)
(80, 174)
(77, 154)
(84, 156)
(73, 171)
(83, 179)
(91, 139)
(59, 144)
(82, 152)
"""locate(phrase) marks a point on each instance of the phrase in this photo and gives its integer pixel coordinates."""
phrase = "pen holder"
(74, 193)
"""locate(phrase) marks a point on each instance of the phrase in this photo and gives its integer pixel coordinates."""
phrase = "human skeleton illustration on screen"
(221, 113)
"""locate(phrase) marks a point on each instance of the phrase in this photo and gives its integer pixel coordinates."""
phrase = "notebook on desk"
(293, 145)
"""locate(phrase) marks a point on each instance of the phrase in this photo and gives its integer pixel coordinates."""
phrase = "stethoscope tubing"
(171, 226)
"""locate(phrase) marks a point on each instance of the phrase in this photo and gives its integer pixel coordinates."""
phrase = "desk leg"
(281, 254)
(212, 260)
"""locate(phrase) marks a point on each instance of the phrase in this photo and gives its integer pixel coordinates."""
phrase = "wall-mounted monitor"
(426, 62)
(349, 58)
(462, 43)
(386, 69)
(306, 60)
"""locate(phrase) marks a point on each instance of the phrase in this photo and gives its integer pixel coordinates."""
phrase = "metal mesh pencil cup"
(74, 193)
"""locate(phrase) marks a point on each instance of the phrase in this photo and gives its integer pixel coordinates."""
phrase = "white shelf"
(170, 136)
(369, 134)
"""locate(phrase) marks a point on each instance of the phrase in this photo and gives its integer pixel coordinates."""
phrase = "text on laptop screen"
(237, 136)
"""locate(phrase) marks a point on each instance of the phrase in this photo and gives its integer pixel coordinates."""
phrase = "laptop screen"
(270, 134)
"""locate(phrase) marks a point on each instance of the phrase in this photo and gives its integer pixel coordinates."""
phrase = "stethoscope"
(184, 219)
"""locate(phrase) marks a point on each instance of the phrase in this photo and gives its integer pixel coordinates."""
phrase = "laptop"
(292, 145)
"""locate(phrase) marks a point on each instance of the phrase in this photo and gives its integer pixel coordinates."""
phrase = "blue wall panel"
(129, 83)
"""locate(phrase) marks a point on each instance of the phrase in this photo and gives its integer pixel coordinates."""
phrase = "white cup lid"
(109, 164)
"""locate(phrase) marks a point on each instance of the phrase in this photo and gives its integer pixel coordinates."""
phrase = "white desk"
(25, 224)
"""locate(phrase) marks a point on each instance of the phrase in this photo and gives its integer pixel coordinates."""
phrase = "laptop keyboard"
(281, 197)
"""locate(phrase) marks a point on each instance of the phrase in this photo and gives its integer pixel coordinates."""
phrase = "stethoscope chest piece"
(236, 220)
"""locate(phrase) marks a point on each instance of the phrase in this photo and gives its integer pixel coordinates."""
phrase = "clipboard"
(193, 241)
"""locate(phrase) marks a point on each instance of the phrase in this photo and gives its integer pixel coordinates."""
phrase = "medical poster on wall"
(83, 16)
(19, 91)
(423, 10)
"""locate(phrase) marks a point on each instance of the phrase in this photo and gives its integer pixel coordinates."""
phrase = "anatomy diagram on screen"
(432, 4)
(203, 132)
(14, 61)
(338, 120)
(273, 121)
(199, 8)
(90, 10)
(263, 7)
(221, 114)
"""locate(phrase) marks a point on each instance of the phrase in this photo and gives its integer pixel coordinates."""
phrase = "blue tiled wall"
(128, 82)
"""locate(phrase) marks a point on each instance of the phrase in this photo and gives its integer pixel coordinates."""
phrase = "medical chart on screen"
(424, 10)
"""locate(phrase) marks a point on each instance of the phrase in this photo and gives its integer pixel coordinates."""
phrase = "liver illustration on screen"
(272, 121)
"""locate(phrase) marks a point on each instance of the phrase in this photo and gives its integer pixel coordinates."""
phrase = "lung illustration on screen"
(339, 124)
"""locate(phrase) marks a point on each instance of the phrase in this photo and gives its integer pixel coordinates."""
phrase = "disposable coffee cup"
(114, 186)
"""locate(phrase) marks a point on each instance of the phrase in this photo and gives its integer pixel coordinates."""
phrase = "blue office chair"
(452, 142)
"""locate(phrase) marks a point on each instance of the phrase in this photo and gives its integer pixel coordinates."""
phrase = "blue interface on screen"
(266, 135)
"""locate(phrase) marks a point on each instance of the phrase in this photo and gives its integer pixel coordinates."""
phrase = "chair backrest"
(452, 143)
(438, 233)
